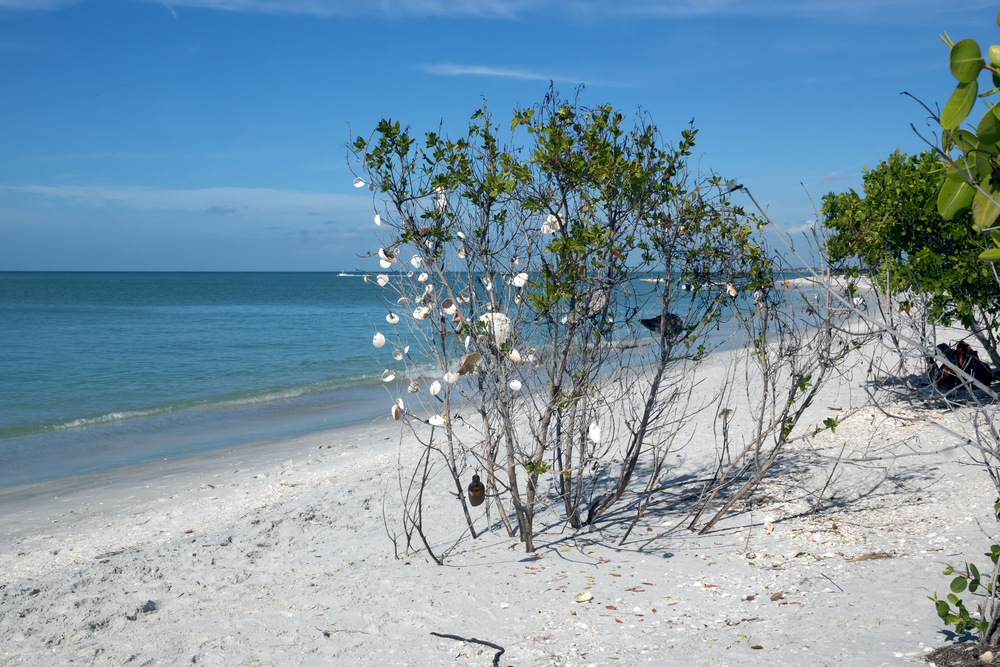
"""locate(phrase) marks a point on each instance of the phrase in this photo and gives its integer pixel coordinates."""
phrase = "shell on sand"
(470, 363)
(582, 597)
(378, 340)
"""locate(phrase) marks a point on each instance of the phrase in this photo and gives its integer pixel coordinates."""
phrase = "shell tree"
(511, 265)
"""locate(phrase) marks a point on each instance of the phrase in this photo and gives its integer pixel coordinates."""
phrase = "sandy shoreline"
(276, 553)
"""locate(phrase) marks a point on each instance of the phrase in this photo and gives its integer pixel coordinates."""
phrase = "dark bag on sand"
(963, 356)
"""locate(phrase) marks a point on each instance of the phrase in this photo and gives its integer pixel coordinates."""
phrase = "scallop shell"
(392, 318)
(470, 363)
(378, 340)
(388, 376)
(585, 596)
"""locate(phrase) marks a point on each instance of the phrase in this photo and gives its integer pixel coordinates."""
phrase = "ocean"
(104, 370)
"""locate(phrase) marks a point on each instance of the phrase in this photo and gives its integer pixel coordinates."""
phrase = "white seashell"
(422, 277)
(488, 284)
(442, 198)
(416, 261)
(402, 299)
(382, 279)
(515, 385)
(396, 412)
(358, 181)
(460, 235)
(392, 318)
(387, 256)
(397, 355)
(497, 326)
(388, 376)
(366, 278)
(378, 220)
(436, 420)
(451, 377)
(461, 253)
(515, 356)
(468, 339)
(551, 225)
(406, 350)
(429, 288)
(594, 433)
(413, 388)
(384, 264)
(378, 340)
(434, 388)
(409, 274)
(421, 313)
(582, 597)
(448, 307)
(399, 402)
(520, 280)
(429, 244)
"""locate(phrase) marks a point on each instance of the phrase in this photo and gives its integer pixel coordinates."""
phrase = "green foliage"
(952, 610)
(894, 233)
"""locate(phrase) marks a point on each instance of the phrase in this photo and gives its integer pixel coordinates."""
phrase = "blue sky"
(209, 134)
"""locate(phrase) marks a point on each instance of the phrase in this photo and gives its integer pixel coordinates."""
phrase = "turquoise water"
(105, 369)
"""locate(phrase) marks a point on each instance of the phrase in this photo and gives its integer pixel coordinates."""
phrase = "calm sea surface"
(99, 370)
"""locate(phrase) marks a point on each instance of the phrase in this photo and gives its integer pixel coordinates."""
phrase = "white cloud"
(216, 200)
(448, 69)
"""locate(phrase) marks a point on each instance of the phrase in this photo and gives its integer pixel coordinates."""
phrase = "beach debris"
(382, 279)
(392, 318)
(435, 388)
(520, 280)
(585, 596)
(378, 340)
(436, 420)
(515, 356)
(396, 412)
(594, 433)
(397, 355)
(451, 377)
(388, 255)
(497, 326)
(423, 277)
(477, 492)
(413, 388)
(378, 220)
(777, 596)
(515, 385)
(470, 363)
(388, 375)
(358, 181)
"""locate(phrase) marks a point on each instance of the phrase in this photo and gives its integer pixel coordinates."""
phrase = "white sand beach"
(277, 554)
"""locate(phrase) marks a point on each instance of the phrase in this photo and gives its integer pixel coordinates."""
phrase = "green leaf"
(966, 60)
(942, 608)
(984, 209)
(974, 570)
(994, 54)
(954, 197)
(959, 105)
(958, 585)
(991, 255)
(989, 127)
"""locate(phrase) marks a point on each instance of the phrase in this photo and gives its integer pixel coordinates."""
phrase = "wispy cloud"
(211, 200)
(449, 69)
